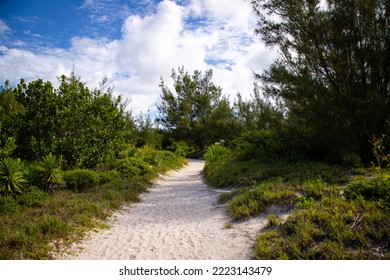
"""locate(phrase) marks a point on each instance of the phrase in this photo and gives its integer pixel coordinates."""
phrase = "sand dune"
(178, 219)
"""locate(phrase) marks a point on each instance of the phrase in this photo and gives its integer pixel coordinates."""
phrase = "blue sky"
(132, 43)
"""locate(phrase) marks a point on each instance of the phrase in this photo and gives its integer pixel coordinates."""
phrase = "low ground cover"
(335, 212)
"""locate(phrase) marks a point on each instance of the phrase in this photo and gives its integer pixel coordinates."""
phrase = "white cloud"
(4, 28)
(204, 34)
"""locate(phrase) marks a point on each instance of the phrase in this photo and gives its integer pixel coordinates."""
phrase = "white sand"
(178, 219)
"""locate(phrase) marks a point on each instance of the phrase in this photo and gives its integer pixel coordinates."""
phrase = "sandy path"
(179, 218)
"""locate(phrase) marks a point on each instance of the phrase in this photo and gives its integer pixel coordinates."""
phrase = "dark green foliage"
(131, 167)
(80, 179)
(180, 148)
(12, 180)
(272, 145)
(332, 76)
(8, 148)
(370, 189)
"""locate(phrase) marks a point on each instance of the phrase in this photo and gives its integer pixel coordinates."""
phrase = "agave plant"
(49, 172)
(12, 178)
(31, 174)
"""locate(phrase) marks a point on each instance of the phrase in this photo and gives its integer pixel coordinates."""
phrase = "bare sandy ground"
(178, 219)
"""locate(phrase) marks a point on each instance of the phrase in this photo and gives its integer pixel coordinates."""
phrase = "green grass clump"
(330, 229)
(371, 189)
(256, 200)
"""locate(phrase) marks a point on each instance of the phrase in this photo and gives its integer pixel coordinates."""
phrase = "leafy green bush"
(131, 167)
(180, 148)
(371, 189)
(215, 152)
(272, 145)
(12, 178)
(81, 179)
(108, 176)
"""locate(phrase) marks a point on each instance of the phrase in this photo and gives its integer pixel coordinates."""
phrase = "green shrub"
(352, 160)
(108, 176)
(371, 189)
(215, 152)
(81, 179)
(180, 148)
(8, 205)
(34, 197)
(131, 167)
(272, 145)
(12, 178)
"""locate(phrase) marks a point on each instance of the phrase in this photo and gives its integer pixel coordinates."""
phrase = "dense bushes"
(131, 167)
(271, 145)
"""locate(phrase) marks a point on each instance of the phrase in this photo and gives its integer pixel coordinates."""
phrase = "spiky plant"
(49, 172)
(31, 174)
(12, 178)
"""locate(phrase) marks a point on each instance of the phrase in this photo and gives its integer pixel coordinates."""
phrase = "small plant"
(379, 151)
(12, 178)
(273, 220)
(228, 225)
(49, 172)
(304, 201)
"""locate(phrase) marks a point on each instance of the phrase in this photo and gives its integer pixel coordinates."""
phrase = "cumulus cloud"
(200, 35)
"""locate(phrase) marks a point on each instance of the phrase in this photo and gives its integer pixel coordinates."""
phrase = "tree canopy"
(80, 126)
(196, 112)
(333, 73)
